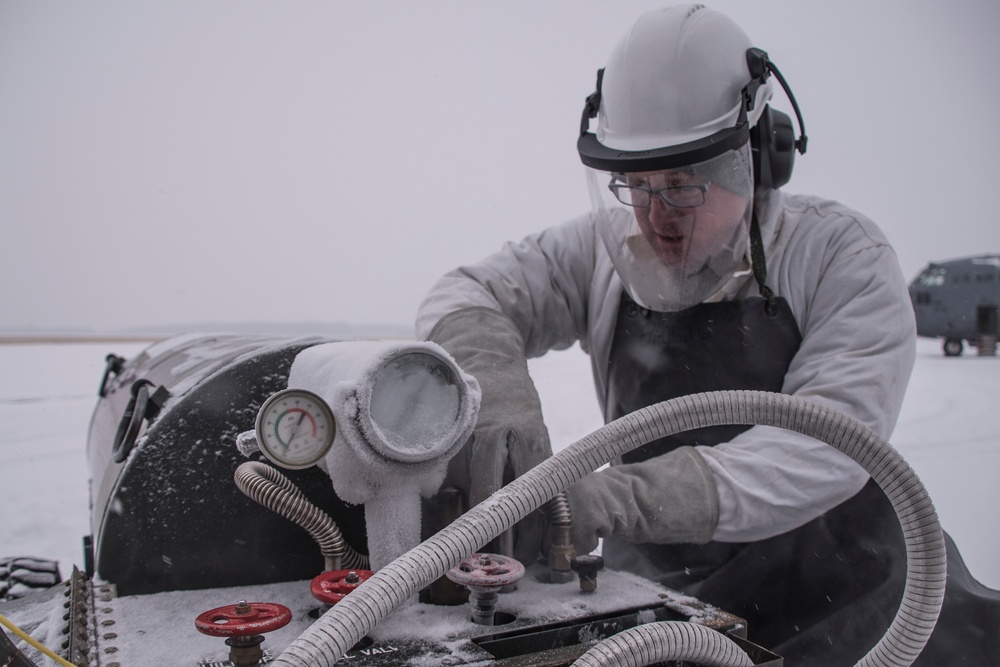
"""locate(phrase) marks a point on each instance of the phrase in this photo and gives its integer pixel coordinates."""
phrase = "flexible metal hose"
(333, 634)
(653, 643)
(276, 492)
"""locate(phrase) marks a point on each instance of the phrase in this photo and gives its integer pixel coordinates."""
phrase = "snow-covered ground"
(949, 431)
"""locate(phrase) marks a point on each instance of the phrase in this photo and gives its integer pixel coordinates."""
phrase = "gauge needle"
(298, 425)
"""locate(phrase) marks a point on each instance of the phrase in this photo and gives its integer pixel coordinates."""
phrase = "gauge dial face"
(295, 428)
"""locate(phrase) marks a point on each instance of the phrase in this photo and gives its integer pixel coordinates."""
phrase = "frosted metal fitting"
(403, 410)
(587, 567)
(484, 575)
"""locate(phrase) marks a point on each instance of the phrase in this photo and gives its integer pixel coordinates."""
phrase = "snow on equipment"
(404, 410)
(187, 529)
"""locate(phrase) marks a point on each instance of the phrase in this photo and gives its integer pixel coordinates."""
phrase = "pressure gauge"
(295, 428)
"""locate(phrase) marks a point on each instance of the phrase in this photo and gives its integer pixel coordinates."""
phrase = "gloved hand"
(510, 436)
(667, 499)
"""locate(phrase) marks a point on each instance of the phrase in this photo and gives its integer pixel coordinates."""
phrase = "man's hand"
(667, 499)
(510, 436)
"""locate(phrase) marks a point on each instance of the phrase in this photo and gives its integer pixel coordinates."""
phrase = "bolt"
(561, 552)
(242, 607)
(352, 578)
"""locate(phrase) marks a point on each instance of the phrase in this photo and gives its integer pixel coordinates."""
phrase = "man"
(694, 272)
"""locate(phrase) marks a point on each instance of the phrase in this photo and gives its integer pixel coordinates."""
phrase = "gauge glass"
(295, 428)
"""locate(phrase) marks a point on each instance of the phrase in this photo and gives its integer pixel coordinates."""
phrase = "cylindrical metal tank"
(169, 516)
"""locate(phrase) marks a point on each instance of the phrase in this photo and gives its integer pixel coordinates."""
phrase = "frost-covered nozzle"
(402, 411)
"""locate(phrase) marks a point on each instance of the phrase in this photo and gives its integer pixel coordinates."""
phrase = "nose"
(661, 211)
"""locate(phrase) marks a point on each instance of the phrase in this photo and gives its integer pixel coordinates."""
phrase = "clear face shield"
(675, 236)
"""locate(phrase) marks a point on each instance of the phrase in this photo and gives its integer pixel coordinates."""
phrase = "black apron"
(822, 594)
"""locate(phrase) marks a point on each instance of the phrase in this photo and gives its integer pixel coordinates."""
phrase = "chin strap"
(760, 263)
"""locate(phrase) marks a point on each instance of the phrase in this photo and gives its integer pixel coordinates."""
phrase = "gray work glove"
(510, 436)
(667, 499)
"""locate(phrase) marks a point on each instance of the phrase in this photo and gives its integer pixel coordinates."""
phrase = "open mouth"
(668, 238)
(669, 243)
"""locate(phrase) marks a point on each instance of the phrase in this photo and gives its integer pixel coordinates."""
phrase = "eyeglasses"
(640, 196)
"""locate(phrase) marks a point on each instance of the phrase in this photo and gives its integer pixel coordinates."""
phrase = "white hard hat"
(677, 89)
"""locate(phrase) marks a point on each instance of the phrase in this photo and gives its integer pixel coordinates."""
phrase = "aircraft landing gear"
(952, 347)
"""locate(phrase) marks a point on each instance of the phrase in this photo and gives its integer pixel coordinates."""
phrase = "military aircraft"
(957, 300)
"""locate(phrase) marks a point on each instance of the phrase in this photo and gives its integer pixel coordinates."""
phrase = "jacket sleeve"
(541, 283)
(851, 302)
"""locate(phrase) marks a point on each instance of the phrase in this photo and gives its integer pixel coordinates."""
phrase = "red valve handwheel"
(331, 587)
(243, 619)
(487, 571)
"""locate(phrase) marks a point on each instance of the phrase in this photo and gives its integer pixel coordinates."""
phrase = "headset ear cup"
(761, 161)
(772, 142)
(782, 148)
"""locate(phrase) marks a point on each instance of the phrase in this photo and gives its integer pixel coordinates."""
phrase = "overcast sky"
(231, 161)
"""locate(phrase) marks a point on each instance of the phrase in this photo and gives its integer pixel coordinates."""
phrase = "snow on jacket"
(843, 283)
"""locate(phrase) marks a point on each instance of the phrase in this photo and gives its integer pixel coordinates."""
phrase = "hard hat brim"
(598, 156)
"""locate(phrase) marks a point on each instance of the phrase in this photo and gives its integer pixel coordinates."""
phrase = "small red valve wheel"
(242, 623)
(243, 618)
(487, 571)
(331, 587)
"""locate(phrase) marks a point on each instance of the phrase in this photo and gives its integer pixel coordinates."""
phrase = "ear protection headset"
(772, 139)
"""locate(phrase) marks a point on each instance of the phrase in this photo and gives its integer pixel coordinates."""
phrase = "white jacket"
(845, 289)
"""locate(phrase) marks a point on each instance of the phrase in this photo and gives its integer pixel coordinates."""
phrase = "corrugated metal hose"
(276, 492)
